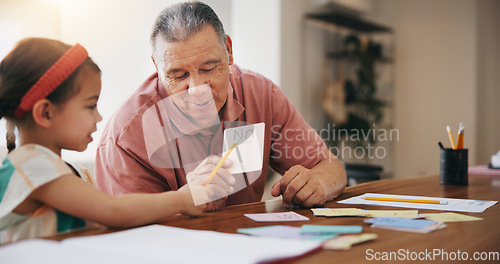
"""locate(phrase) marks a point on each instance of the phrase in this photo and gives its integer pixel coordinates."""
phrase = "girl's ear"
(43, 111)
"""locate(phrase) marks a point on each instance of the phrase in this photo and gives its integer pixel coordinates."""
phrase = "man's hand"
(312, 187)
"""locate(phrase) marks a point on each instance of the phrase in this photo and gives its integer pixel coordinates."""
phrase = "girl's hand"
(195, 199)
(220, 184)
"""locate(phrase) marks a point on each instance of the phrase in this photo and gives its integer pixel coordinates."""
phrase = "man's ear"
(229, 49)
(43, 112)
(154, 62)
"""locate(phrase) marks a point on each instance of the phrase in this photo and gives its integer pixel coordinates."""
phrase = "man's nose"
(195, 79)
(199, 90)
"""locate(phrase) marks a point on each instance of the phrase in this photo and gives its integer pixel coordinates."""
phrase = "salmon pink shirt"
(148, 146)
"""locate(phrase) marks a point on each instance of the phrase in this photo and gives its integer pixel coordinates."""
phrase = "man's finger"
(205, 169)
(294, 187)
(226, 176)
(228, 189)
(276, 189)
(315, 199)
(212, 159)
(288, 177)
(304, 194)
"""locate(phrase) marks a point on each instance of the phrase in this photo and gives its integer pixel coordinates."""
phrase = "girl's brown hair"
(22, 68)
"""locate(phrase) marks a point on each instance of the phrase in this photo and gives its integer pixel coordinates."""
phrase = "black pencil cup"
(454, 166)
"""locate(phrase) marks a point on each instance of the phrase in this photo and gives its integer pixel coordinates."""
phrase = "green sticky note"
(337, 229)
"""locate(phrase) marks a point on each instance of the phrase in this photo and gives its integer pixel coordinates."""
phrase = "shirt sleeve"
(24, 170)
(117, 172)
(293, 141)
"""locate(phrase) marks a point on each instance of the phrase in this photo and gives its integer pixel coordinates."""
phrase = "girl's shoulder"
(24, 170)
(29, 167)
(37, 162)
(27, 152)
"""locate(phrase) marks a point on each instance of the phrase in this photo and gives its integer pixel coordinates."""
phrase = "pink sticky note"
(277, 217)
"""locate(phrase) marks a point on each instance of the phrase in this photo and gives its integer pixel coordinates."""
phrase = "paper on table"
(346, 241)
(451, 217)
(458, 205)
(424, 230)
(43, 251)
(404, 224)
(393, 213)
(178, 245)
(277, 217)
(330, 212)
(283, 232)
(482, 170)
(400, 222)
(250, 139)
(336, 229)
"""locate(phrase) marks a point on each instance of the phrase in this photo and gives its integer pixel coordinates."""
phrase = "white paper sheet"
(178, 245)
(458, 205)
(157, 244)
(250, 146)
(41, 251)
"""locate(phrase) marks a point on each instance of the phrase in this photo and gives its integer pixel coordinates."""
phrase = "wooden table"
(457, 238)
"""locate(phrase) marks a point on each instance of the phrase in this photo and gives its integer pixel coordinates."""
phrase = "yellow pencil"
(403, 200)
(220, 164)
(451, 137)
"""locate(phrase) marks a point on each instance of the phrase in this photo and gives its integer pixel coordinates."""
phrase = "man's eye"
(207, 70)
(92, 107)
(179, 77)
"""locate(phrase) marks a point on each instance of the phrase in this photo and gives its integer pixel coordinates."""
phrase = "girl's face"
(76, 119)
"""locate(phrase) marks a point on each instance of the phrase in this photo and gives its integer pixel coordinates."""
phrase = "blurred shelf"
(336, 20)
(346, 56)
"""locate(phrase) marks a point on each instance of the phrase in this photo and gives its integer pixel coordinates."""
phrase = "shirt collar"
(232, 108)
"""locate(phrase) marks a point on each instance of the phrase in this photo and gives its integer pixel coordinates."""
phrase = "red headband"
(52, 78)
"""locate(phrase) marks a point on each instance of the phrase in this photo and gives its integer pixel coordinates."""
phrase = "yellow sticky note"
(330, 212)
(346, 241)
(393, 213)
(451, 217)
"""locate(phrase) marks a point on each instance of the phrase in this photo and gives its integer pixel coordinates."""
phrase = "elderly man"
(171, 129)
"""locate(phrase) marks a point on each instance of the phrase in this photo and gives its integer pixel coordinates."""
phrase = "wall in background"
(447, 60)
(444, 49)
(256, 36)
(436, 78)
(27, 18)
(21, 19)
(116, 34)
(488, 79)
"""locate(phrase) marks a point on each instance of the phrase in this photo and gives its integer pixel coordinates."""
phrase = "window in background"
(20, 19)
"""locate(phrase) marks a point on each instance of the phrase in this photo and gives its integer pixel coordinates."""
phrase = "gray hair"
(180, 21)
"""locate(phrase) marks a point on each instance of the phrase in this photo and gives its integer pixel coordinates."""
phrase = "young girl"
(49, 91)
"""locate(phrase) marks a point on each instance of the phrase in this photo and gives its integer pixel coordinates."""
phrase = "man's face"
(195, 73)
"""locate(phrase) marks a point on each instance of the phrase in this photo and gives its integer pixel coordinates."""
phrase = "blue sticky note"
(329, 229)
(400, 222)
(281, 231)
